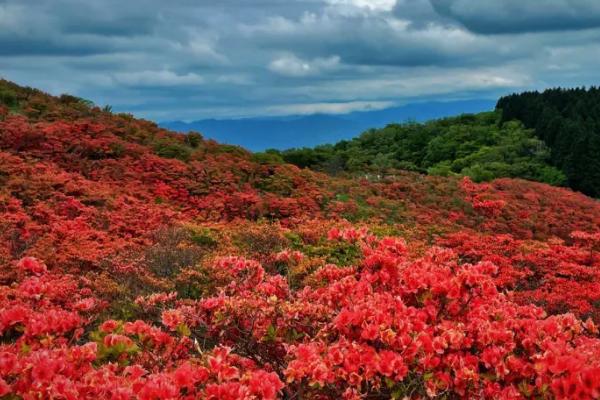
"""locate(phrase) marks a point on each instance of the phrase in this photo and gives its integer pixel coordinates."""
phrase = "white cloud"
(372, 5)
(292, 66)
(157, 78)
(328, 108)
(426, 83)
(202, 47)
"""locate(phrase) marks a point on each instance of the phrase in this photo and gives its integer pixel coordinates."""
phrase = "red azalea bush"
(558, 276)
(136, 263)
(409, 328)
(392, 327)
(48, 354)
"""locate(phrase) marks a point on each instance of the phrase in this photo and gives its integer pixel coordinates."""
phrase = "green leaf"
(183, 330)
(271, 333)
(389, 383)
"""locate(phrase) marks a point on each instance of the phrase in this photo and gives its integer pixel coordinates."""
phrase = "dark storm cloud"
(516, 16)
(191, 59)
(361, 40)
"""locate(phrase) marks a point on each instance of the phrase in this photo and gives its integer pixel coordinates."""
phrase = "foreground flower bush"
(408, 328)
(136, 263)
(47, 356)
(393, 326)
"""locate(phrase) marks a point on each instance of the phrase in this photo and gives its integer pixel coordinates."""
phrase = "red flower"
(32, 265)
(4, 388)
(109, 326)
(172, 319)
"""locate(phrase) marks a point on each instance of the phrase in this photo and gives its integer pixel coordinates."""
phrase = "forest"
(551, 137)
(138, 263)
(568, 121)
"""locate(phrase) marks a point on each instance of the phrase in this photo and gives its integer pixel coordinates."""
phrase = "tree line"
(568, 121)
(480, 146)
(551, 137)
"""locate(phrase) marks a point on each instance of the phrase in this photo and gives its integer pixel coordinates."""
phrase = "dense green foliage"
(479, 146)
(568, 121)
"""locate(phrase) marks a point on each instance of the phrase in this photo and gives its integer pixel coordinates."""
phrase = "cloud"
(518, 16)
(192, 59)
(327, 108)
(162, 78)
(292, 66)
(433, 83)
(371, 5)
(385, 40)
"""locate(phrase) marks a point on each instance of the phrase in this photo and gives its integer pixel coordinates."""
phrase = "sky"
(194, 59)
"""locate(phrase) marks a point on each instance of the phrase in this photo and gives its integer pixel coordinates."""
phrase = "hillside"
(474, 145)
(136, 262)
(551, 137)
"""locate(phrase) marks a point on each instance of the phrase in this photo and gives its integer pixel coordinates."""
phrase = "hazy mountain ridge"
(261, 133)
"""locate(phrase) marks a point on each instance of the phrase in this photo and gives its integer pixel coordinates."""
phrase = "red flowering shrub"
(400, 327)
(31, 265)
(136, 266)
(556, 276)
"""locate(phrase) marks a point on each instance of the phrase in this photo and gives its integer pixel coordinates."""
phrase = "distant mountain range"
(262, 133)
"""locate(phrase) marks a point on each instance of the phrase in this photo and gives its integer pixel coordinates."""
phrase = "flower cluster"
(402, 327)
